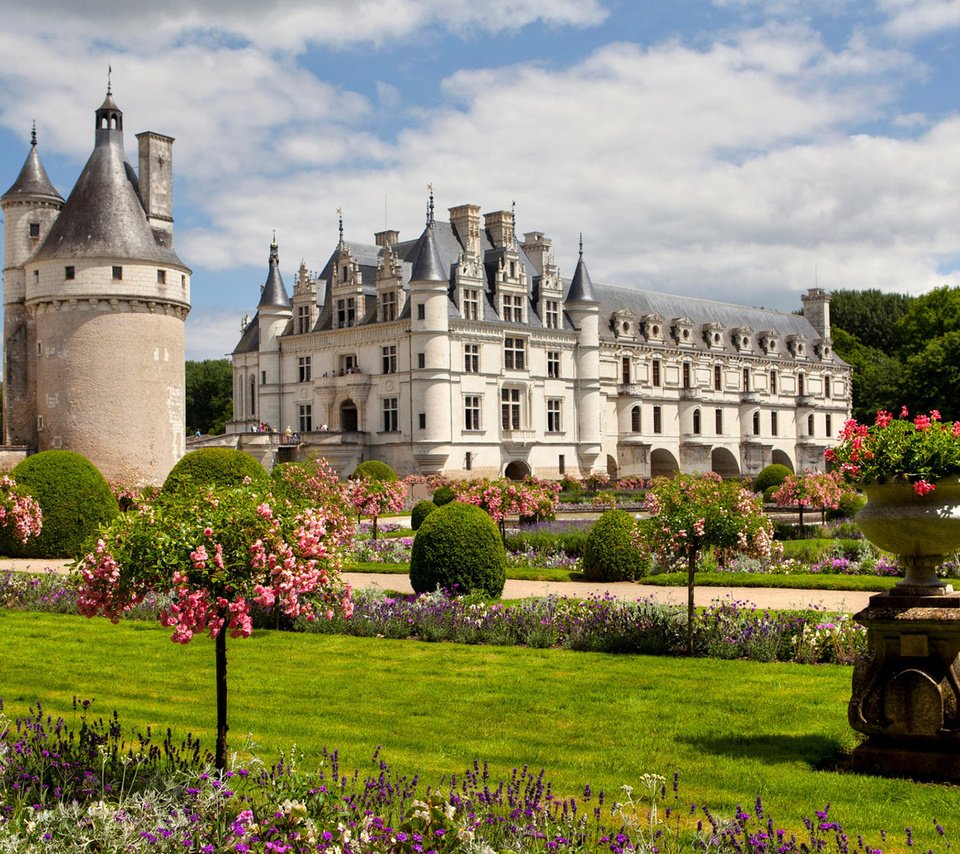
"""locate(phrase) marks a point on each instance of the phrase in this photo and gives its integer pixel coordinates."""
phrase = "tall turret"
(273, 315)
(108, 297)
(29, 207)
(584, 311)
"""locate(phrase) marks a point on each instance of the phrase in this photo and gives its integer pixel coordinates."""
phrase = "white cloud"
(911, 19)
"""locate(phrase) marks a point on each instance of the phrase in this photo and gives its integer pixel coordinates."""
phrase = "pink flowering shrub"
(530, 498)
(315, 484)
(373, 498)
(217, 551)
(19, 511)
(920, 451)
(812, 489)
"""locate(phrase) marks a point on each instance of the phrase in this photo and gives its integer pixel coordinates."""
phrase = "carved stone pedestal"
(906, 695)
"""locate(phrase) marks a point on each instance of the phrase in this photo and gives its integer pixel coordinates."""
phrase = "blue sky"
(735, 149)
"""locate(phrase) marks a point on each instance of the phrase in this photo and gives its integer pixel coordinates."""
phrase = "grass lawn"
(733, 729)
(516, 573)
(800, 581)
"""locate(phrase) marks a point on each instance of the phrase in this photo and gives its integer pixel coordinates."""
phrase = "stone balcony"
(518, 438)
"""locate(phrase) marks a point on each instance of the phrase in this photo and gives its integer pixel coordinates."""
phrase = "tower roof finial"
(430, 206)
(581, 244)
(513, 221)
(109, 82)
(33, 134)
(340, 224)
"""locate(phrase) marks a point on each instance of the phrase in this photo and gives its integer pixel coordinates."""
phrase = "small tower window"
(36, 277)
(421, 311)
(34, 229)
(117, 273)
(468, 461)
(161, 277)
(69, 272)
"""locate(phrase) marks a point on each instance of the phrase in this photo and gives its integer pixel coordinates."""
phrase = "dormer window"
(742, 336)
(822, 348)
(797, 346)
(388, 306)
(713, 335)
(768, 342)
(470, 304)
(653, 327)
(551, 314)
(683, 330)
(624, 324)
(512, 308)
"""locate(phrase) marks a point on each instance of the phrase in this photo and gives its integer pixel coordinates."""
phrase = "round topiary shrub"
(610, 554)
(458, 548)
(770, 491)
(444, 495)
(772, 475)
(420, 511)
(851, 503)
(374, 470)
(74, 497)
(214, 467)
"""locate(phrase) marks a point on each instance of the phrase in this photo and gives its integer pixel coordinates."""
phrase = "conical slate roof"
(274, 292)
(104, 215)
(427, 266)
(581, 288)
(32, 182)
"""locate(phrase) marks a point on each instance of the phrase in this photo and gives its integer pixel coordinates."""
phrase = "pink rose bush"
(529, 498)
(919, 451)
(373, 498)
(19, 511)
(812, 489)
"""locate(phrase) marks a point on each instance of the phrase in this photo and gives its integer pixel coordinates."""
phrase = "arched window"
(696, 422)
(635, 419)
(253, 395)
(756, 423)
(810, 425)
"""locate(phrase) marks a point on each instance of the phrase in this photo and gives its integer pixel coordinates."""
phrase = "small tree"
(19, 510)
(814, 489)
(502, 498)
(692, 513)
(373, 498)
(217, 551)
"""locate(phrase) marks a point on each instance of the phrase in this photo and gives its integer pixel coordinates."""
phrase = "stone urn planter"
(922, 530)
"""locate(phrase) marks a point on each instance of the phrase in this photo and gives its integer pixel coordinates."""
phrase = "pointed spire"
(274, 292)
(32, 181)
(427, 266)
(581, 288)
(33, 134)
(340, 225)
(513, 221)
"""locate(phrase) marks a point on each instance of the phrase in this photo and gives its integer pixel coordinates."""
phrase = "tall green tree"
(930, 316)
(876, 377)
(871, 315)
(209, 395)
(932, 377)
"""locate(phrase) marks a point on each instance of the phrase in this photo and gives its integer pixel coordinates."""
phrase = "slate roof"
(32, 182)
(274, 292)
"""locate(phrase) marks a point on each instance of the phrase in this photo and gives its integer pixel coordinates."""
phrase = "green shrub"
(610, 554)
(458, 547)
(374, 470)
(214, 467)
(75, 500)
(420, 511)
(772, 475)
(770, 491)
(851, 503)
(444, 495)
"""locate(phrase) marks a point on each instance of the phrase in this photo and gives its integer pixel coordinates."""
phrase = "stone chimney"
(537, 249)
(387, 238)
(466, 220)
(499, 228)
(816, 309)
(156, 183)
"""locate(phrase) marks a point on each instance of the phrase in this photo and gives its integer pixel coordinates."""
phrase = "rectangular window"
(468, 461)
(346, 312)
(388, 306)
(625, 370)
(562, 464)
(657, 419)
(389, 358)
(471, 358)
(718, 421)
(470, 309)
(717, 378)
(421, 360)
(773, 423)
(36, 277)
(471, 412)
(510, 408)
(117, 273)
(69, 272)
(514, 353)
(746, 379)
(391, 415)
(422, 420)
(551, 314)
(305, 366)
(553, 416)
(512, 309)
(655, 372)
(303, 319)
(39, 422)
(635, 419)
(263, 377)
(826, 387)
(801, 386)
(306, 417)
(686, 375)
(773, 382)
(161, 277)
(829, 426)
(553, 364)
(34, 229)
(421, 311)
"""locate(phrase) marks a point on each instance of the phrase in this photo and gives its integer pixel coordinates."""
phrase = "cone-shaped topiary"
(214, 467)
(610, 554)
(374, 470)
(772, 475)
(420, 511)
(458, 548)
(74, 497)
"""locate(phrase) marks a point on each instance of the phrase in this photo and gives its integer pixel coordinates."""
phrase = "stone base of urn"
(906, 694)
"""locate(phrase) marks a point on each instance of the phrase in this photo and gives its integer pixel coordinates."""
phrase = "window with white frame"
(388, 305)
(514, 353)
(746, 379)
(391, 415)
(718, 421)
(510, 412)
(305, 368)
(346, 312)
(717, 378)
(471, 412)
(655, 372)
(303, 319)
(553, 364)
(774, 426)
(828, 418)
(773, 382)
(826, 386)
(625, 370)
(635, 419)
(696, 422)
(306, 417)
(657, 419)
(551, 312)
(512, 308)
(389, 358)
(471, 358)
(470, 309)
(554, 424)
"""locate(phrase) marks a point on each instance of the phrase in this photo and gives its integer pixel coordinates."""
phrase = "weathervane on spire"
(33, 134)
(513, 221)
(581, 244)
(340, 221)
(430, 206)
(109, 83)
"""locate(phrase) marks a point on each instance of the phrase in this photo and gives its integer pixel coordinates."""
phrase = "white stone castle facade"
(465, 352)
(94, 304)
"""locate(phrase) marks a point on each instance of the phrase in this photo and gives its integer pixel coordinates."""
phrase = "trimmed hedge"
(458, 547)
(443, 495)
(420, 511)
(572, 543)
(75, 499)
(610, 554)
(214, 467)
(772, 475)
(374, 470)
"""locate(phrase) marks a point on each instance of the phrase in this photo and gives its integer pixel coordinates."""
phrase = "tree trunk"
(220, 761)
(691, 611)
(374, 527)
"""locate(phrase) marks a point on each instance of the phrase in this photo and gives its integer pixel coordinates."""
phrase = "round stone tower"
(108, 298)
